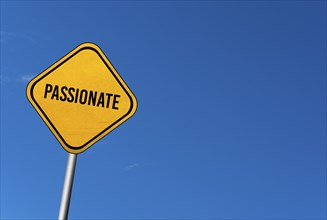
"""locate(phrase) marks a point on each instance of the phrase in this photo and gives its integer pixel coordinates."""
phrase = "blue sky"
(231, 118)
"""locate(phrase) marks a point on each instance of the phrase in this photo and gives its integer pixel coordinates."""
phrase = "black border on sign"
(112, 72)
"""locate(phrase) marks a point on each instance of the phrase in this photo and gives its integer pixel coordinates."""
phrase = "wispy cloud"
(4, 78)
(130, 167)
(26, 78)
(11, 74)
(7, 35)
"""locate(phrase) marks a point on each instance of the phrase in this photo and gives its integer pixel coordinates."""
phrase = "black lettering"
(76, 97)
(82, 96)
(70, 91)
(55, 92)
(108, 100)
(101, 100)
(115, 101)
(92, 98)
(48, 88)
(82, 99)
(64, 95)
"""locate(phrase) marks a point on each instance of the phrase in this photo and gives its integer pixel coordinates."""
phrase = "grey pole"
(68, 185)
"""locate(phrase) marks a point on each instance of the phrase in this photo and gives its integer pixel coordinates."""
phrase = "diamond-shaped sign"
(81, 98)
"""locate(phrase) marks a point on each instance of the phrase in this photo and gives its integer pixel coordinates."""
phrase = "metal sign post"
(68, 185)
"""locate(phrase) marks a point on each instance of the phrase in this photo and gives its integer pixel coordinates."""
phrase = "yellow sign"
(81, 98)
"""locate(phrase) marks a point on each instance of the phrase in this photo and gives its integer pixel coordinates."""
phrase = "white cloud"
(26, 78)
(6, 35)
(129, 167)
